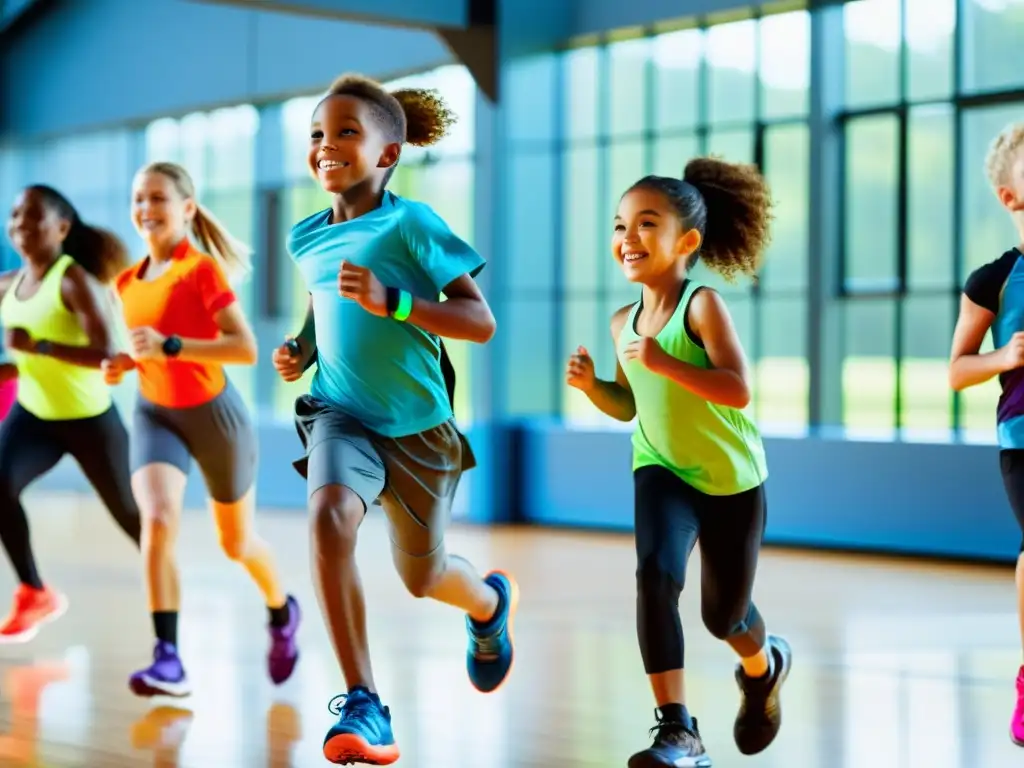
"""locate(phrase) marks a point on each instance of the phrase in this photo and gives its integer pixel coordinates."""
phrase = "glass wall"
(647, 105)
(918, 213)
(925, 85)
(441, 176)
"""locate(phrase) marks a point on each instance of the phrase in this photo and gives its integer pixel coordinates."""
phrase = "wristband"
(43, 347)
(293, 347)
(399, 304)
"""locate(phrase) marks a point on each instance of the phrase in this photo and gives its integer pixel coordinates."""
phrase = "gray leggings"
(219, 435)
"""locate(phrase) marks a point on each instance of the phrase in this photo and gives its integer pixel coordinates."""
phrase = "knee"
(233, 544)
(655, 585)
(420, 575)
(720, 623)
(157, 532)
(335, 512)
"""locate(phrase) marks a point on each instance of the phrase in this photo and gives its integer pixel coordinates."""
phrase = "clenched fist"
(579, 372)
(1013, 352)
(288, 360)
(363, 287)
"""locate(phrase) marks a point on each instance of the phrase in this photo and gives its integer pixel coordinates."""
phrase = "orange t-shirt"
(183, 301)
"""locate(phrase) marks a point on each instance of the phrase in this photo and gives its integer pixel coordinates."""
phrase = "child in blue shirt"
(378, 424)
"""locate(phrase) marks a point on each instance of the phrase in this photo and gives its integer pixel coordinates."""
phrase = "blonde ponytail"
(235, 257)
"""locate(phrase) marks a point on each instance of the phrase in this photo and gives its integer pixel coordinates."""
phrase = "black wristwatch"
(43, 347)
(172, 346)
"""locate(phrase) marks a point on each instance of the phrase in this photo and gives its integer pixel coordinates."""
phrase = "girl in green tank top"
(57, 331)
(698, 460)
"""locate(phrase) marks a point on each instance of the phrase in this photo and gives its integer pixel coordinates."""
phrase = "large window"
(910, 210)
(648, 105)
(441, 176)
(218, 151)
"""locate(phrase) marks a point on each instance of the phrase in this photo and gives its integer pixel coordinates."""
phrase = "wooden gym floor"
(897, 665)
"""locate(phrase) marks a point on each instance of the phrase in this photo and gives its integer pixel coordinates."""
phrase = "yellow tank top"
(48, 388)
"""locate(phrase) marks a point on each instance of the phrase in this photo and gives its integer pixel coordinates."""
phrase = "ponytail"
(235, 257)
(729, 204)
(98, 251)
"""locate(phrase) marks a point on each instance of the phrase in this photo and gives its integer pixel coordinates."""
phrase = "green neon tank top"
(48, 388)
(713, 448)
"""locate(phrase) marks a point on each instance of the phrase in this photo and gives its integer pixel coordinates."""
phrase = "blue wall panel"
(423, 13)
(94, 63)
(924, 499)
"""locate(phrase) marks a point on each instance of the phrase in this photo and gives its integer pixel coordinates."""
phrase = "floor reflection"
(907, 667)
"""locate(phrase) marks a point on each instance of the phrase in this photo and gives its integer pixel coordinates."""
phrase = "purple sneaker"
(284, 652)
(164, 677)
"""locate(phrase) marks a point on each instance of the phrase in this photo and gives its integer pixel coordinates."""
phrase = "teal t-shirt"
(383, 372)
(713, 448)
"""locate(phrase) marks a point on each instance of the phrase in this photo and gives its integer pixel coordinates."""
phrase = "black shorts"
(1011, 462)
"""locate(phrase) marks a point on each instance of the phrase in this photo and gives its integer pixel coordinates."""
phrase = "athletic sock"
(279, 616)
(165, 626)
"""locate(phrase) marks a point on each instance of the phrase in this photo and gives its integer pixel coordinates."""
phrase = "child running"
(57, 332)
(698, 462)
(378, 425)
(993, 300)
(185, 324)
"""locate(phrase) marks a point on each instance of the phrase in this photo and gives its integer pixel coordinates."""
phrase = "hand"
(18, 339)
(363, 287)
(1013, 352)
(287, 365)
(580, 371)
(114, 368)
(147, 343)
(648, 352)
(8, 372)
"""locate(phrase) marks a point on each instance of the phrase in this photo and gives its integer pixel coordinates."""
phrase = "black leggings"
(30, 447)
(670, 518)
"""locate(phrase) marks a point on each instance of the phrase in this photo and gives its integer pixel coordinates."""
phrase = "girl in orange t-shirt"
(185, 325)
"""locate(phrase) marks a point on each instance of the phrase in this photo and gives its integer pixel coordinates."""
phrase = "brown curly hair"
(416, 116)
(729, 204)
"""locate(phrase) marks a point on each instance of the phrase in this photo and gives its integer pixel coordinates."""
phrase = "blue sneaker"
(490, 653)
(363, 731)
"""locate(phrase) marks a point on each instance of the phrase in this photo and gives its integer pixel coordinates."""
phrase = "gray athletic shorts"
(219, 435)
(414, 478)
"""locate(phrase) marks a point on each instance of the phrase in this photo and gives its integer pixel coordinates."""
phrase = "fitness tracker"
(399, 304)
(293, 347)
(43, 347)
(172, 346)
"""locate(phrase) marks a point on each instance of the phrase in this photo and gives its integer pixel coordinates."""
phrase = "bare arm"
(727, 381)
(615, 398)
(465, 315)
(235, 344)
(86, 298)
(968, 368)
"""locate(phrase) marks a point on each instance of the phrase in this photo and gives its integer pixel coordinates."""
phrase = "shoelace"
(358, 709)
(486, 647)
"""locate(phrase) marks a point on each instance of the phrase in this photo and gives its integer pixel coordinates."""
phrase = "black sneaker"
(760, 715)
(675, 746)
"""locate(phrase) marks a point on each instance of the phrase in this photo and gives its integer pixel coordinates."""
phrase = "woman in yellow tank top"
(57, 331)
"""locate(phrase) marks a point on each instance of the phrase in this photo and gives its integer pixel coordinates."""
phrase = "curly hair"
(98, 251)
(1003, 153)
(416, 116)
(729, 204)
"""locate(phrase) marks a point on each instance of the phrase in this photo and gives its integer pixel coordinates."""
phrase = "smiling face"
(347, 147)
(161, 214)
(35, 228)
(649, 239)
